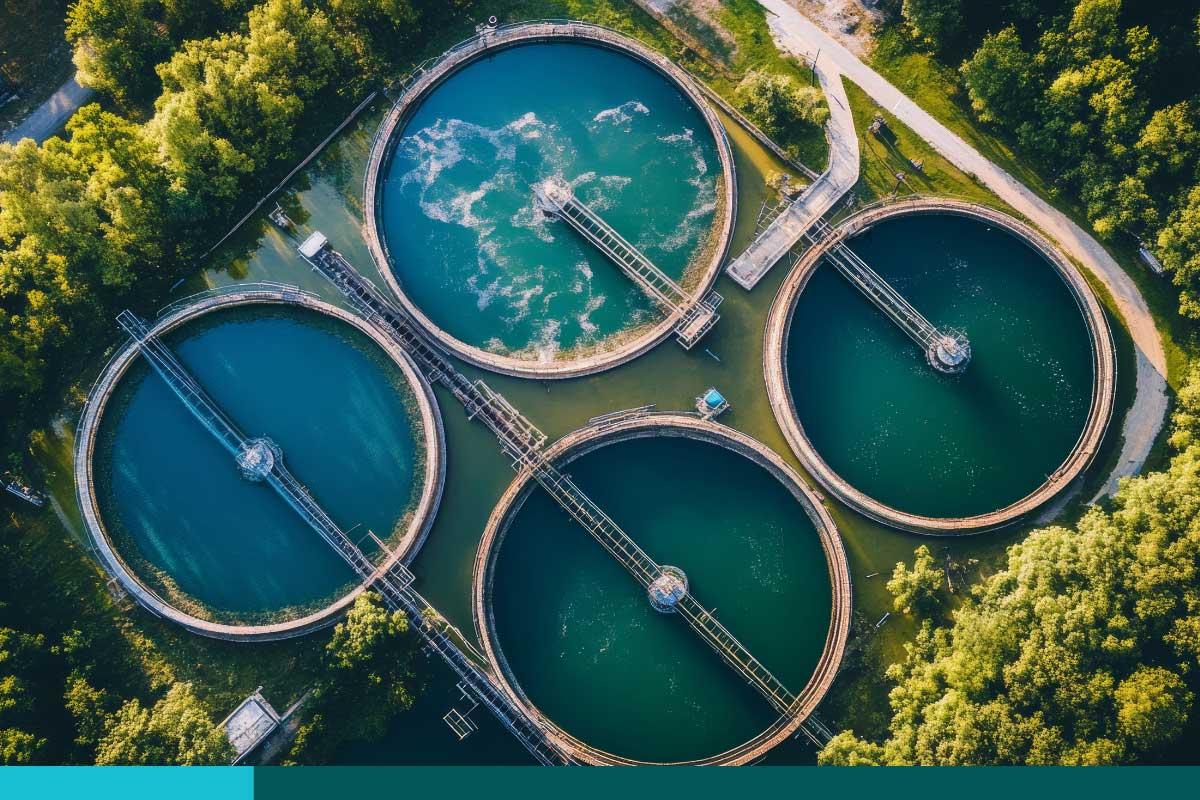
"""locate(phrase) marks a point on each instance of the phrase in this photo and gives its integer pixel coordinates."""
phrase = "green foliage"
(1000, 78)
(1102, 95)
(230, 104)
(116, 46)
(1152, 707)
(178, 730)
(367, 679)
(111, 215)
(934, 23)
(1083, 650)
(917, 590)
(22, 656)
(18, 747)
(778, 103)
(89, 706)
(82, 221)
(1179, 247)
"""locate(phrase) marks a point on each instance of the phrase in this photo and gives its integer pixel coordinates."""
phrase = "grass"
(746, 22)
(935, 87)
(882, 157)
(699, 44)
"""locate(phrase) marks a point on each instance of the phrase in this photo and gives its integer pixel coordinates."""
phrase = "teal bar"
(127, 783)
(700, 783)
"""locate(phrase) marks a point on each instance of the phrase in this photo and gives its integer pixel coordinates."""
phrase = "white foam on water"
(622, 114)
(696, 218)
(531, 218)
(586, 325)
(546, 343)
(602, 197)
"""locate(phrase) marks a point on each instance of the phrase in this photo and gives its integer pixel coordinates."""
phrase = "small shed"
(1151, 260)
(711, 404)
(249, 724)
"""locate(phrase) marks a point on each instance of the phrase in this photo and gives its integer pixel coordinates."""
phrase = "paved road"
(795, 32)
(839, 177)
(51, 115)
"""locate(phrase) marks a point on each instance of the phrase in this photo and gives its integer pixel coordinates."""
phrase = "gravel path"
(51, 115)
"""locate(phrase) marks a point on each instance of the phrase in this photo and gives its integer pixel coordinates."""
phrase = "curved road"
(794, 32)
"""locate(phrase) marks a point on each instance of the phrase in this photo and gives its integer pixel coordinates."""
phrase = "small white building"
(314, 244)
(249, 724)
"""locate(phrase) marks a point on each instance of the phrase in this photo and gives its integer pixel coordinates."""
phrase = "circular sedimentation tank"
(938, 450)
(578, 643)
(194, 532)
(454, 226)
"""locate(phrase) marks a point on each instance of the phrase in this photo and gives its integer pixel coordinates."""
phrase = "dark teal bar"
(127, 783)
(783, 783)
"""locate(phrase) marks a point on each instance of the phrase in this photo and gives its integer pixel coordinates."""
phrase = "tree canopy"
(778, 102)
(368, 678)
(111, 214)
(21, 657)
(177, 730)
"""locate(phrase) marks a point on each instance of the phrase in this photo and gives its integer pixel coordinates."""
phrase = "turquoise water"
(172, 497)
(457, 210)
(590, 652)
(928, 443)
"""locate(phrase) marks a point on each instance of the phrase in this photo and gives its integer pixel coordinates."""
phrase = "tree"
(230, 104)
(18, 747)
(367, 677)
(1152, 707)
(1179, 248)
(22, 657)
(934, 23)
(1000, 78)
(778, 102)
(178, 730)
(116, 45)
(847, 750)
(89, 706)
(917, 590)
(373, 32)
(1170, 143)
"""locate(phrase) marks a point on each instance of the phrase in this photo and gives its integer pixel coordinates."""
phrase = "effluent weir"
(692, 318)
(260, 460)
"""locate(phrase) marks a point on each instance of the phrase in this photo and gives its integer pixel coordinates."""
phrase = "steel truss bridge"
(692, 317)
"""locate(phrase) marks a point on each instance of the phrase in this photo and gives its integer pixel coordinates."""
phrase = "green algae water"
(457, 211)
(585, 644)
(229, 549)
(923, 442)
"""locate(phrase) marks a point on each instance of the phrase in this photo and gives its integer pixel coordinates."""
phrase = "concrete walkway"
(839, 177)
(796, 33)
(51, 115)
